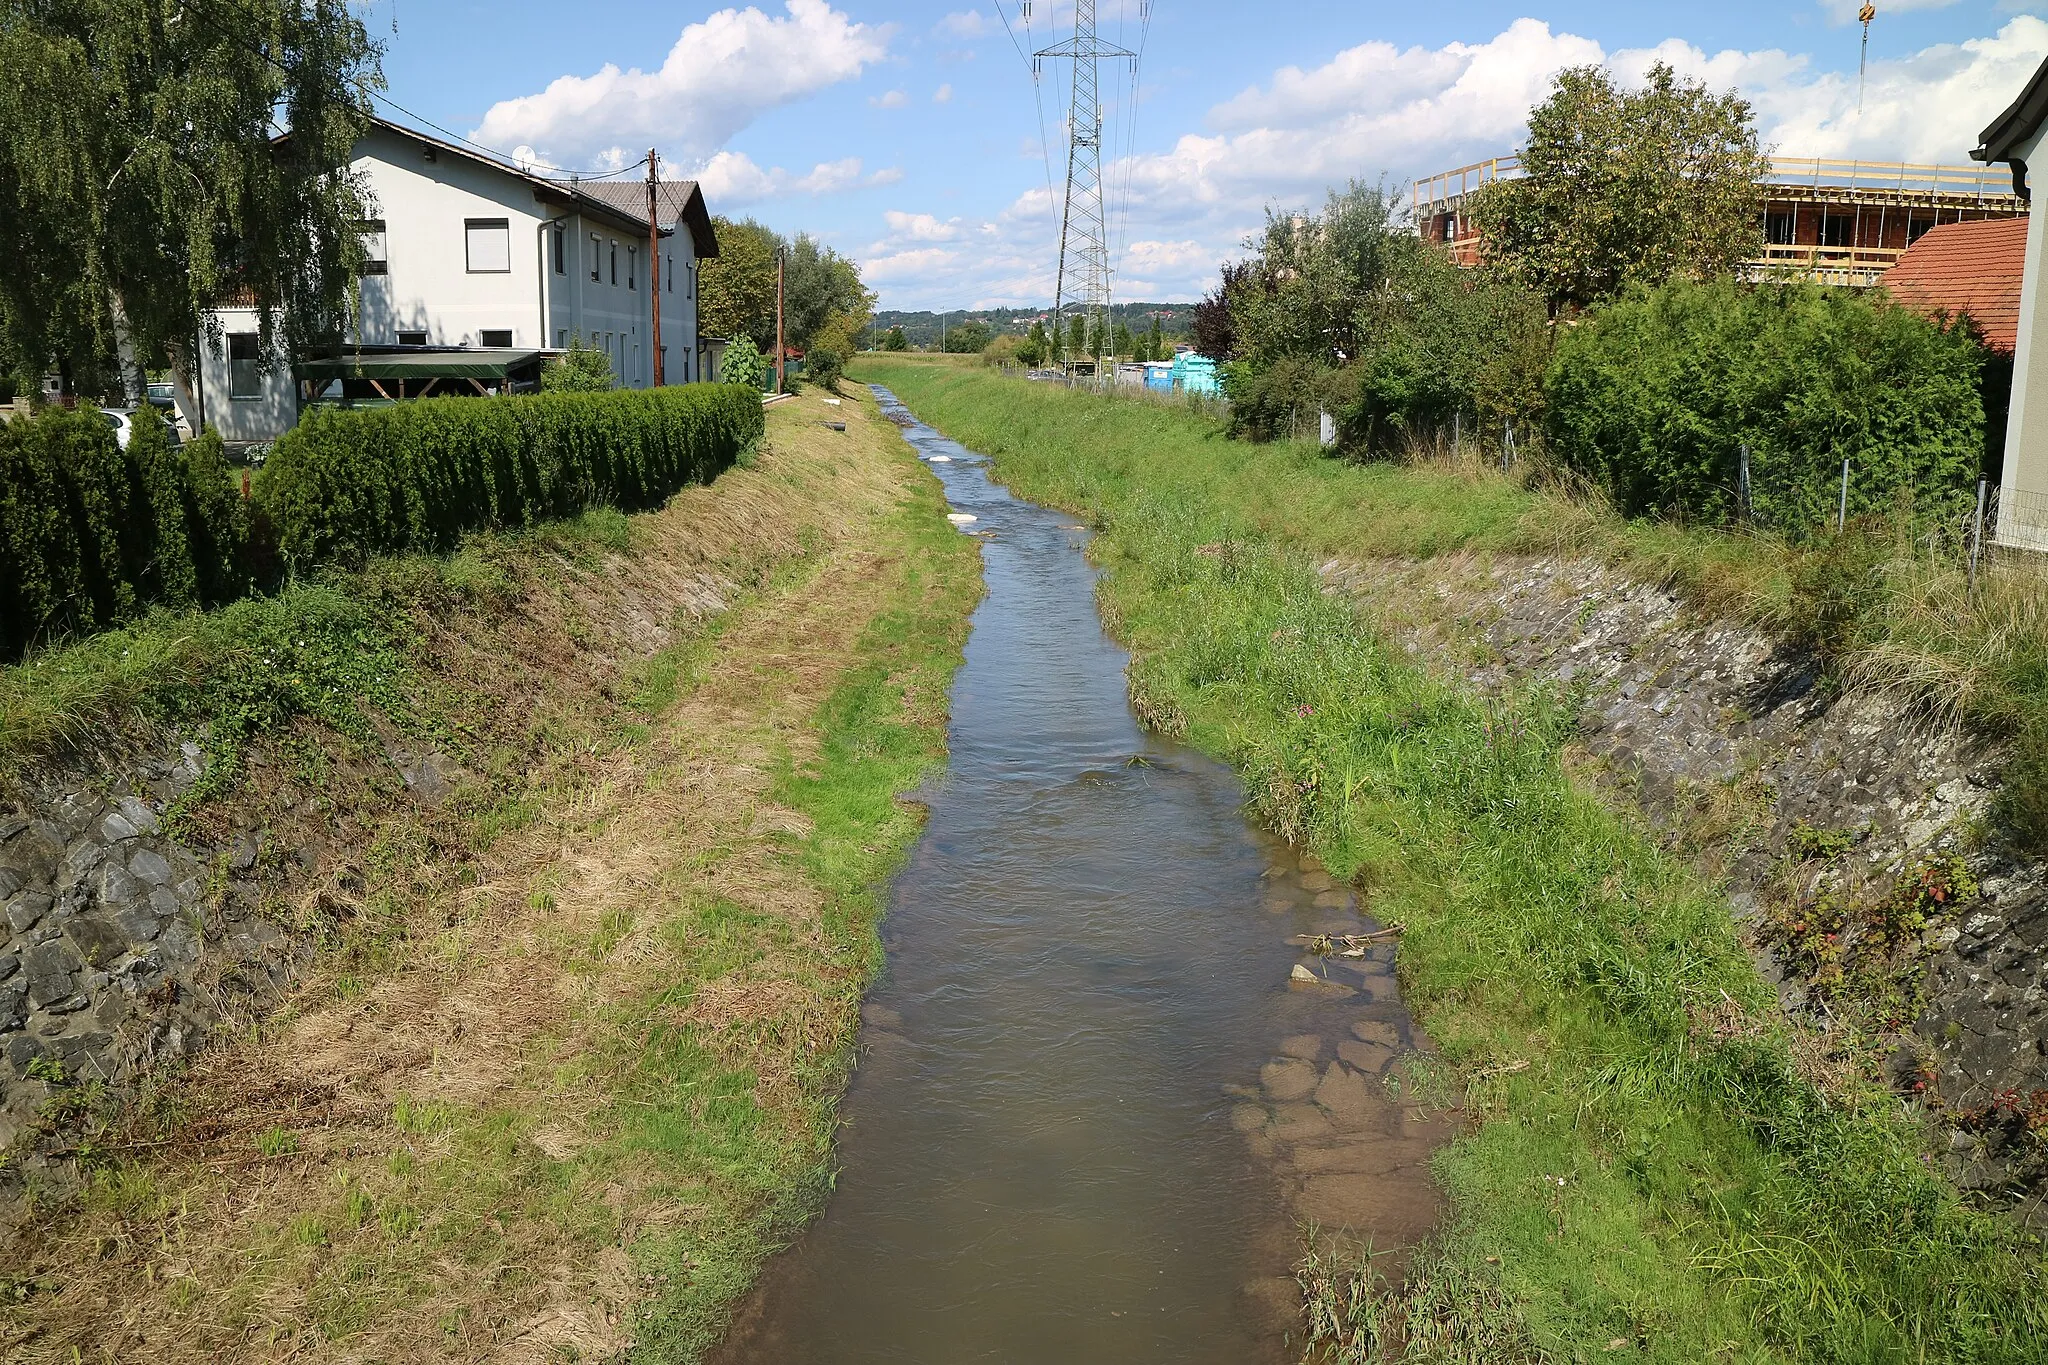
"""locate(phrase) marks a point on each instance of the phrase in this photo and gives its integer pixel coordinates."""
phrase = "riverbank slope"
(528, 1011)
(1658, 1168)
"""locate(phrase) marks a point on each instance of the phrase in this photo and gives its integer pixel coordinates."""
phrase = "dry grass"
(442, 1159)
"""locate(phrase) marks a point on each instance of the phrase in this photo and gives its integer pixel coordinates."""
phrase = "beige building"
(2012, 139)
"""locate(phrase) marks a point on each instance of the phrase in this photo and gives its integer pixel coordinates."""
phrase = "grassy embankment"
(1659, 1180)
(566, 1071)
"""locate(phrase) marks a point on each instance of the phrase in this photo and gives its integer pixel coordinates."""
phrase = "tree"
(736, 288)
(894, 340)
(1037, 348)
(140, 183)
(580, 369)
(819, 287)
(1624, 185)
(1214, 329)
(1120, 342)
(968, 338)
(1077, 336)
(1155, 345)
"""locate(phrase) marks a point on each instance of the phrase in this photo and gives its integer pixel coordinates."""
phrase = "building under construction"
(1838, 222)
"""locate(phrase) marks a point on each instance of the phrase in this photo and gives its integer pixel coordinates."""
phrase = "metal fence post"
(1842, 515)
(1977, 535)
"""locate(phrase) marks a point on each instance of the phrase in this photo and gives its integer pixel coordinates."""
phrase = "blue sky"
(907, 134)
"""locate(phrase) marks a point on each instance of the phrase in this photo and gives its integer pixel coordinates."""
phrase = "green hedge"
(348, 483)
(92, 535)
(1655, 395)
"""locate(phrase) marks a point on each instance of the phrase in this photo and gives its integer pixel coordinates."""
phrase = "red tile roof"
(1972, 268)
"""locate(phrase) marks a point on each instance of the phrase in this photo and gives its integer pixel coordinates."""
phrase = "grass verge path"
(596, 1086)
(1652, 1172)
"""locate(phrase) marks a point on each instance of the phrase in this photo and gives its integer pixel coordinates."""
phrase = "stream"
(1093, 1109)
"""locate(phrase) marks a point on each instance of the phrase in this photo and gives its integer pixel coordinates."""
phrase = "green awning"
(474, 364)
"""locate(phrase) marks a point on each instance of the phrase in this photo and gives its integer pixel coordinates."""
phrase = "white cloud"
(894, 99)
(965, 24)
(734, 178)
(943, 95)
(921, 227)
(722, 74)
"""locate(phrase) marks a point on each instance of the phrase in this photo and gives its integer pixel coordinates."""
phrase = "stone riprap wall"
(124, 947)
(1728, 741)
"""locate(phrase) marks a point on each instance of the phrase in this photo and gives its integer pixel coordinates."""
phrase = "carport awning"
(476, 364)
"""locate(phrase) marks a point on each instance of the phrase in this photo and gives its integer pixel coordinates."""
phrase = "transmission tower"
(1084, 273)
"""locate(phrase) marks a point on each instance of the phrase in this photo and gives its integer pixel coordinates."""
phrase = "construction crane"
(1866, 14)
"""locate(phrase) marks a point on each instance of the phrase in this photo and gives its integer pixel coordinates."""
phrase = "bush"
(92, 535)
(1656, 394)
(743, 363)
(580, 369)
(349, 483)
(823, 367)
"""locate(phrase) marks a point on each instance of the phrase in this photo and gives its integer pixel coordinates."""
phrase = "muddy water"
(1092, 1109)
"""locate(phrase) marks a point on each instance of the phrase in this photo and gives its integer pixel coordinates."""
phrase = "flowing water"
(1093, 1108)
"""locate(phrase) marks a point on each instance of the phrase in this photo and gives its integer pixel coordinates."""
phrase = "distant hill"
(922, 329)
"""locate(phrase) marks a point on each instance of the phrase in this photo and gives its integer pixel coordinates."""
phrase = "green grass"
(1661, 1175)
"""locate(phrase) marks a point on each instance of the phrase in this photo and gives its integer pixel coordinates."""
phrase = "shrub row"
(417, 476)
(91, 534)
(1656, 394)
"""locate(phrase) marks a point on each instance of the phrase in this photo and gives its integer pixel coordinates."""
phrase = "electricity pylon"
(1084, 231)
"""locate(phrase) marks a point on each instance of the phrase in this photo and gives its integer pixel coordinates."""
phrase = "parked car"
(163, 396)
(123, 420)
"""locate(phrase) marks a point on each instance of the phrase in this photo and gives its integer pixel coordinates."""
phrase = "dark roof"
(679, 201)
(2021, 120)
(1967, 268)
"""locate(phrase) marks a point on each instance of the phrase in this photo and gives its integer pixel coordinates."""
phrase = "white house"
(468, 252)
(2015, 138)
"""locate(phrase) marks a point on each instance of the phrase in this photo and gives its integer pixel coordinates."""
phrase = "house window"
(615, 265)
(632, 267)
(557, 250)
(495, 340)
(412, 338)
(245, 367)
(1778, 227)
(668, 270)
(596, 258)
(561, 338)
(1918, 228)
(375, 262)
(490, 246)
(1834, 230)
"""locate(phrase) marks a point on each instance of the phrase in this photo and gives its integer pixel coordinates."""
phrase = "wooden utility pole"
(654, 254)
(780, 348)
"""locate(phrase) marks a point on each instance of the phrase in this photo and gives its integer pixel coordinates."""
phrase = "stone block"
(81, 859)
(165, 901)
(22, 1050)
(50, 967)
(116, 828)
(10, 963)
(137, 813)
(151, 866)
(98, 941)
(26, 910)
(13, 1004)
(117, 886)
(137, 923)
(177, 943)
(12, 879)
